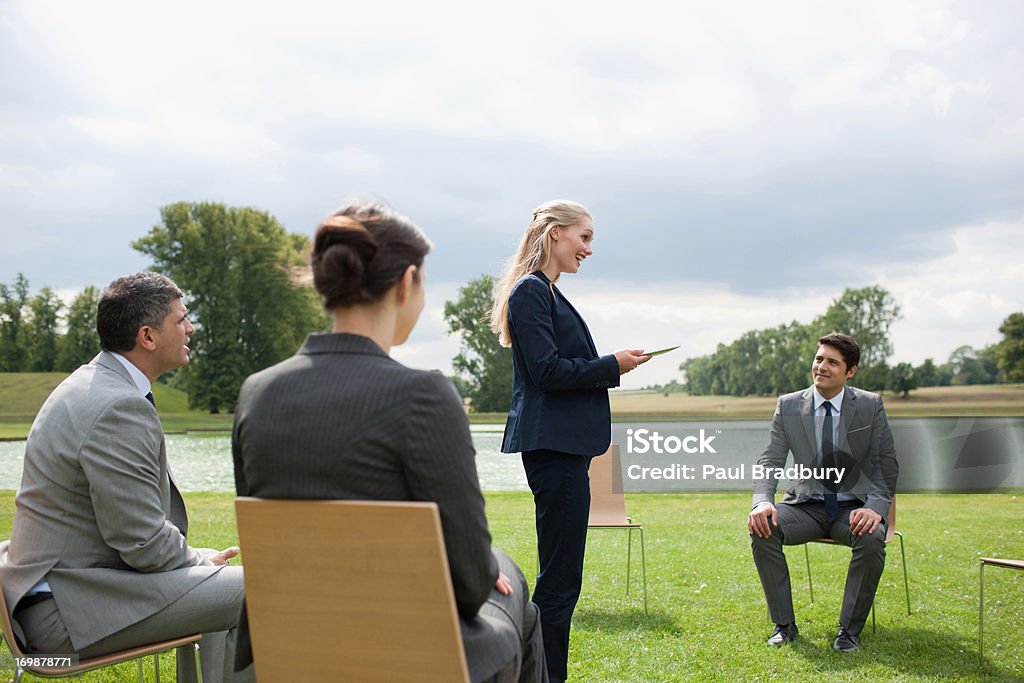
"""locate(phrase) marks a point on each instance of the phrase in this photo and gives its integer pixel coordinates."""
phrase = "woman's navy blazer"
(559, 383)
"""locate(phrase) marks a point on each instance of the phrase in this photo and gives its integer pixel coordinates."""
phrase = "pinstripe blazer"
(97, 514)
(343, 420)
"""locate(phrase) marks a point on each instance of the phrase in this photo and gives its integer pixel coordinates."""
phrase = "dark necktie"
(828, 459)
(149, 397)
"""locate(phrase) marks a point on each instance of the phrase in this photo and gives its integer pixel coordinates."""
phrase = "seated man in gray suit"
(98, 560)
(844, 477)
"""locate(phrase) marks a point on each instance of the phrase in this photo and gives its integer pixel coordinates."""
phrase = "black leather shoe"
(846, 641)
(783, 634)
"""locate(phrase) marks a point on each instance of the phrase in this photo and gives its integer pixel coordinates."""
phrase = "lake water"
(202, 461)
(935, 454)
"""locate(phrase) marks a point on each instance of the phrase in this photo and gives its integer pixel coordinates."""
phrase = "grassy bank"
(707, 615)
(21, 395)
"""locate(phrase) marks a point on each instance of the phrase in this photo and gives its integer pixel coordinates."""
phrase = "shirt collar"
(141, 381)
(836, 401)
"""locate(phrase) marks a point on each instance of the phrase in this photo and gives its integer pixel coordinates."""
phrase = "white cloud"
(961, 297)
(120, 132)
(197, 75)
(478, 112)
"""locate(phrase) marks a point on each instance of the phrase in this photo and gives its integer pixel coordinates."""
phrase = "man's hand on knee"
(762, 518)
(224, 556)
(864, 521)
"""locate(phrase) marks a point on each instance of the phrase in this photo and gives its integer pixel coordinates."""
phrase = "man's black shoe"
(784, 633)
(846, 641)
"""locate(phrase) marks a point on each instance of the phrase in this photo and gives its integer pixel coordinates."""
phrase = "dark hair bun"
(362, 251)
(342, 252)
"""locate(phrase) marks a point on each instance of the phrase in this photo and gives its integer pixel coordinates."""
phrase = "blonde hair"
(533, 254)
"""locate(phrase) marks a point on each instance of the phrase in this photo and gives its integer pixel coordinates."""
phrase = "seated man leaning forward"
(846, 469)
(98, 560)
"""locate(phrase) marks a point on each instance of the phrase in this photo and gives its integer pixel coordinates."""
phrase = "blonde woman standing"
(560, 418)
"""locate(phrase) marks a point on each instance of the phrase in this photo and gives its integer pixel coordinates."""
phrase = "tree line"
(775, 360)
(240, 271)
(32, 336)
(764, 362)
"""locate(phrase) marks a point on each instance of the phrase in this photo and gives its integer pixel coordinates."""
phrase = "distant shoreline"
(21, 395)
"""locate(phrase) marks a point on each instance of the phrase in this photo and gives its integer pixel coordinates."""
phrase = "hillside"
(23, 393)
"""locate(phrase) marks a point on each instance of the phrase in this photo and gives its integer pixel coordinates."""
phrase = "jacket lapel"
(579, 319)
(807, 417)
(846, 415)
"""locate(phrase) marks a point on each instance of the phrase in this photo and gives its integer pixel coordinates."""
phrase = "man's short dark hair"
(130, 302)
(847, 346)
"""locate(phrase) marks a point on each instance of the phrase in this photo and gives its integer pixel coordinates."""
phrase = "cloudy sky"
(744, 161)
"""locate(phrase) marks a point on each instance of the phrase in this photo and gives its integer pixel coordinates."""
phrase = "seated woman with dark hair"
(342, 419)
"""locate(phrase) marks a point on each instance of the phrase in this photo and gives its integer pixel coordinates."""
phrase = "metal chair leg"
(629, 558)
(643, 566)
(981, 614)
(199, 665)
(903, 559)
(810, 585)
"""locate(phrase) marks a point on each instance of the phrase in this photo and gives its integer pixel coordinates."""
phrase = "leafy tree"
(873, 377)
(483, 365)
(927, 373)
(778, 360)
(701, 373)
(41, 331)
(81, 342)
(786, 360)
(967, 368)
(1010, 352)
(902, 379)
(867, 315)
(945, 375)
(13, 337)
(235, 266)
(989, 359)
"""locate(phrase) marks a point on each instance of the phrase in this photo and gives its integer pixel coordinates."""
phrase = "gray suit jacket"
(97, 514)
(864, 447)
(341, 419)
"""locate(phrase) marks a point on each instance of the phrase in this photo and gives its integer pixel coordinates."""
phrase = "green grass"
(707, 617)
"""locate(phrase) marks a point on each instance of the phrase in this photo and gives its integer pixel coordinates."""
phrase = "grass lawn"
(707, 615)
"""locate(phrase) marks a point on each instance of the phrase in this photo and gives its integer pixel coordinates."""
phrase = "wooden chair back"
(349, 591)
(607, 502)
